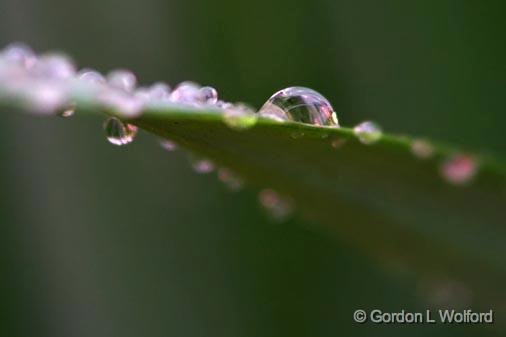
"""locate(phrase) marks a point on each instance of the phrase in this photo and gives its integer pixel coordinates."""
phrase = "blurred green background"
(106, 241)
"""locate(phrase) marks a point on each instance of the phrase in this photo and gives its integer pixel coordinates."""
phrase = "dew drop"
(122, 79)
(299, 104)
(230, 179)
(159, 91)
(202, 165)
(186, 93)
(277, 206)
(168, 145)
(47, 97)
(422, 149)
(55, 65)
(368, 132)
(239, 116)
(91, 76)
(19, 54)
(459, 169)
(123, 104)
(119, 133)
(208, 95)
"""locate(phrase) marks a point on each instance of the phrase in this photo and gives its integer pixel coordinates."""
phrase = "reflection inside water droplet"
(119, 133)
(368, 132)
(299, 104)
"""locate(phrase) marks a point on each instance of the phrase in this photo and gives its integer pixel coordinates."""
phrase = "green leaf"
(380, 197)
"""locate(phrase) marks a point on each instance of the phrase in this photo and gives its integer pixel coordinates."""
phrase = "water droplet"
(239, 116)
(168, 145)
(230, 179)
(19, 54)
(119, 133)
(299, 104)
(159, 91)
(91, 76)
(186, 93)
(208, 95)
(368, 132)
(47, 97)
(122, 79)
(55, 65)
(459, 169)
(202, 165)
(276, 205)
(422, 149)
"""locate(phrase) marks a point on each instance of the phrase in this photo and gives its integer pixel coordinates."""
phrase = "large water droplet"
(186, 93)
(119, 133)
(368, 132)
(239, 116)
(459, 169)
(299, 104)
(277, 206)
(91, 76)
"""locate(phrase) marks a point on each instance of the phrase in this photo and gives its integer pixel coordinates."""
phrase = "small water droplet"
(119, 133)
(422, 149)
(239, 116)
(299, 104)
(277, 206)
(368, 132)
(55, 65)
(202, 165)
(168, 145)
(91, 76)
(459, 169)
(208, 95)
(186, 93)
(122, 79)
(19, 54)
(229, 178)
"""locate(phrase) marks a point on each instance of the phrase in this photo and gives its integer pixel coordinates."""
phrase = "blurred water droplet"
(459, 169)
(122, 79)
(299, 104)
(123, 104)
(230, 179)
(208, 95)
(202, 165)
(277, 206)
(55, 65)
(159, 91)
(422, 149)
(19, 54)
(91, 76)
(368, 132)
(337, 142)
(239, 116)
(168, 145)
(119, 133)
(47, 97)
(186, 93)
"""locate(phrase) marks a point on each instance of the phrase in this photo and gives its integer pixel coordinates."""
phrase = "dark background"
(106, 241)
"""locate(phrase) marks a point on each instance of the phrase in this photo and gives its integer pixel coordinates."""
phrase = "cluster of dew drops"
(50, 83)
